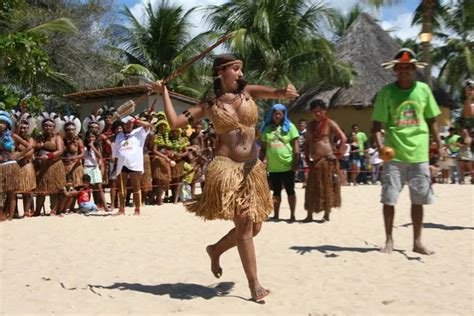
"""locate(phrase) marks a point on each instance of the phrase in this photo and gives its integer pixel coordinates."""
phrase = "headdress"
(404, 55)
(93, 119)
(107, 110)
(5, 117)
(20, 117)
(53, 117)
(269, 118)
(73, 119)
(148, 116)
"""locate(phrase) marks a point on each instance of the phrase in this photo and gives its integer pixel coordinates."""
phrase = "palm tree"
(280, 40)
(24, 63)
(156, 47)
(456, 57)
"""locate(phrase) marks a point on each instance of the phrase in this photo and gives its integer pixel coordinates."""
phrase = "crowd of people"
(62, 157)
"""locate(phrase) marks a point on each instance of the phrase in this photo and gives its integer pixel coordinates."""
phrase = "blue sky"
(396, 17)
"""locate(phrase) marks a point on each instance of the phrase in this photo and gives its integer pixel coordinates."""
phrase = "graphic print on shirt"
(407, 114)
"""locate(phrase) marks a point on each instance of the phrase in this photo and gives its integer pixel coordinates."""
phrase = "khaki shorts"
(394, 176)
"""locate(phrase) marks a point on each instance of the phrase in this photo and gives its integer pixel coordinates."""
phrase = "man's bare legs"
(292, 203)
(417, 219)
(242, 237)
(388, 216)
(276, 207)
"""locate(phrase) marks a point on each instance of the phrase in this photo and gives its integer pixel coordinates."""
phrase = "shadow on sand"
(331, 251)
(182, 291)
(440, 226)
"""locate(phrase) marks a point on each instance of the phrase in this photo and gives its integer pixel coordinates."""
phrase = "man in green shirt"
(408, 110)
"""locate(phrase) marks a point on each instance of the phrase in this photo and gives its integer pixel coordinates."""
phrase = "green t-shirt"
(404, 112)
(452, 141)
(361, 139)
(278, 148)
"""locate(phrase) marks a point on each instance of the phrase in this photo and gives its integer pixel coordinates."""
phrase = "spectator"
(280, 148)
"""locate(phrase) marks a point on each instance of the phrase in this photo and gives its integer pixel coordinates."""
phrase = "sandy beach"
(156, 263)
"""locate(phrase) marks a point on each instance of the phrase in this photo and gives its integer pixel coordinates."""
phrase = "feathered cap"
(107, 110)
(93, 119)
(27, 118)
(404, 55)
(53, 117)
(75, 120)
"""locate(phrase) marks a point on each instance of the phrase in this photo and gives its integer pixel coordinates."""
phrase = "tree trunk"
(428, 7)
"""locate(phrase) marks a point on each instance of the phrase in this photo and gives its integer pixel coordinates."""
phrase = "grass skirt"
(145, 179)
(9, 176)
(74, 173)
(233, 188)
(161, 169)
(322, 191)
(178, 170)
(50, 176)
(27, 178)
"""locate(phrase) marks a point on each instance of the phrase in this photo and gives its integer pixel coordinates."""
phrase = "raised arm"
(194, 113)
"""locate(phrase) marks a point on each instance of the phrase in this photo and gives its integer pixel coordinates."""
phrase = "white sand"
(156, 263)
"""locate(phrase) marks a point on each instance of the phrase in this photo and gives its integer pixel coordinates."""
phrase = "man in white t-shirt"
(128, 149)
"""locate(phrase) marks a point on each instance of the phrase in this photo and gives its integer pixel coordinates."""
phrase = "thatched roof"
(83, 96)
(364, 46)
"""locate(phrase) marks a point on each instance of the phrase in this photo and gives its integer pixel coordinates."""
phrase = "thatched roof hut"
(364, 46)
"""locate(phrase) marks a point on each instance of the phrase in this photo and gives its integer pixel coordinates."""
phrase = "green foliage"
(281, 41)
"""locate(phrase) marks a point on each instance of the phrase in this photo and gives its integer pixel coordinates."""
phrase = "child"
(92, 160)
(189, 171)
(86, 206)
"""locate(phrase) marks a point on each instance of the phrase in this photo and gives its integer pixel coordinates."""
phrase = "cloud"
(401, 26)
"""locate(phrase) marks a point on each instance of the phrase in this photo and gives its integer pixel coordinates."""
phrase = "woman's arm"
(262, 92)
(194, 113)
(59, 147)
(27, 147)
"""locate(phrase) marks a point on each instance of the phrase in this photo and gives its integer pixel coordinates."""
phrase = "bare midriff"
(236, 145)
(320, 148)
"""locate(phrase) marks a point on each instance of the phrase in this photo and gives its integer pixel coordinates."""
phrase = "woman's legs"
(102, 196)
(122, 191)
(225, 243)
(39, 205)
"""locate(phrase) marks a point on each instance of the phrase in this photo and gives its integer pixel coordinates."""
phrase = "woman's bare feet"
(215, 265)
(257, 291)
(419, 248)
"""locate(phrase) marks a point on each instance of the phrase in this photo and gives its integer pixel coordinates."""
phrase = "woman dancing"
(236, 183)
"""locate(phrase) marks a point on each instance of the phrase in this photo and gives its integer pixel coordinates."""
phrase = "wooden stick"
(181, 69)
